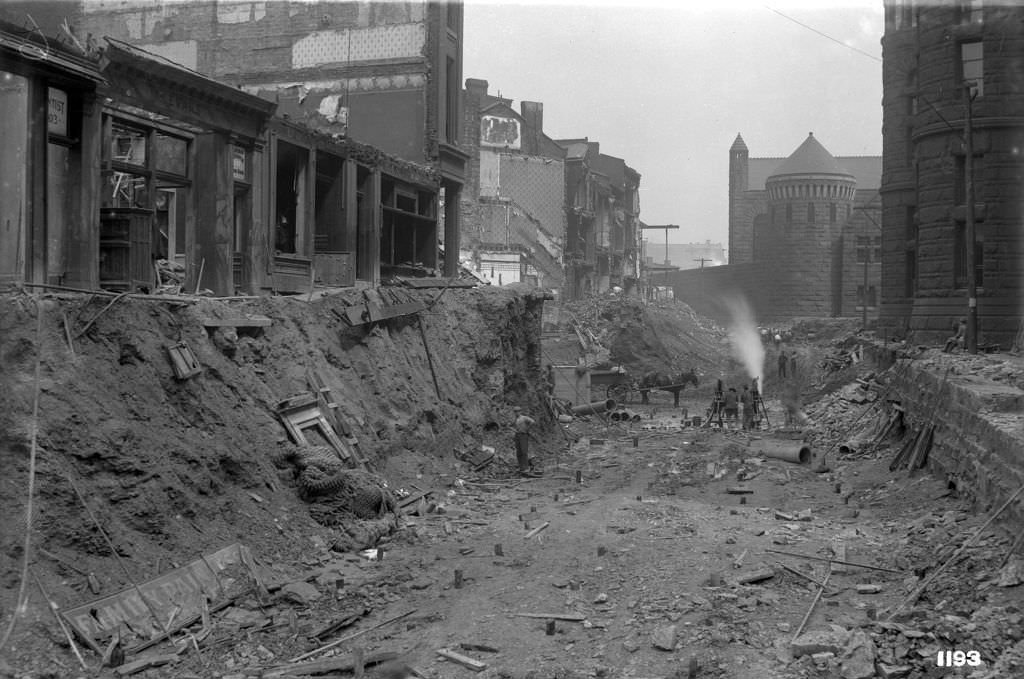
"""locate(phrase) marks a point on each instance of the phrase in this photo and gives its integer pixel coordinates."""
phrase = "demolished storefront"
(49, 123)
(150, 177)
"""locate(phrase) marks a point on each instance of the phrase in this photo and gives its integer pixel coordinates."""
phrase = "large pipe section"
(594, 408)
(786, 450)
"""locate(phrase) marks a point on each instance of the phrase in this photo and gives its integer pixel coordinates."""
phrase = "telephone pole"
(970, 245)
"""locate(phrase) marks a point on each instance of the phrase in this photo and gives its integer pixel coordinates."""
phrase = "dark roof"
(867, 170)
(17, 43)
(811, 158)
(739, 144)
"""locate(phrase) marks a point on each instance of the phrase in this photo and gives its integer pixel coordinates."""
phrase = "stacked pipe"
(624, 416)
(594, 408)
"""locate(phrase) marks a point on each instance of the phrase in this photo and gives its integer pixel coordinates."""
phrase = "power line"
(824, 35)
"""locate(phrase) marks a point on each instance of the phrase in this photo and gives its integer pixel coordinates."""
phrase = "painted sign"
(239, 169)
(165, 603)
(503, 132)
(57, 112)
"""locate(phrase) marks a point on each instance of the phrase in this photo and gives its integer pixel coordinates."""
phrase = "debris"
(869, 589)
(821, 558)
(601, 598)
(858, 659)
(571, 617)
(549, 628)
(1012, 574)
(303, 412)
(839, 552)
(810, 643)
(339, 625)
(463, 660)
(55, 609)
(244, 321)
(664, 638)
(478, 647)
(893, 671)
(183, 361)
(739, 490)
(302, 593)
(782, 516)
(340, 663)
(754, 576)
(144, 663)
(814, 602)
(537, 530)
(912, 597)
(187, 587)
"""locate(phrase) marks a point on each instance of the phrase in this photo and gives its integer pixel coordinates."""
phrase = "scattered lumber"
(571, 617)
(463, 660)
(338, 663)
(821, 558)
(144, 663)
(350, 636)
(478, 647)
(739, 490)
(754, 576)
(537, 530)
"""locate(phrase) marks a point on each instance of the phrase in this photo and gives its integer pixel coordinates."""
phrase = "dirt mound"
(175, 468)
(662, 336)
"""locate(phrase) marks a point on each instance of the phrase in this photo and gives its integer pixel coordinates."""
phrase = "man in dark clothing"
(792, 365)
(782, 365)
(731, 405)
(522, 426)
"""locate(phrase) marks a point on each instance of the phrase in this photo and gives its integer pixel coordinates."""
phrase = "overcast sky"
(668, 87)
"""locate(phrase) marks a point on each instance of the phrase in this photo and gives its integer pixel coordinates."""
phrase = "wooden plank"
(839, 552)
(340, 663)
(436, 283)
(536, 530)
(532, 516)
(463, 660)
(144, 663)
(357, 314)
(382, 313)
(571, 617)
(248, 321)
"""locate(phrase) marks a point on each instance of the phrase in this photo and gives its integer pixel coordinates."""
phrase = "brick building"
(513, 202)
(386, 74)
(814, 219)
(602, 245)
(933, 54)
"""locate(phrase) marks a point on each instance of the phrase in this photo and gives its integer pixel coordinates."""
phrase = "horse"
(665, 382)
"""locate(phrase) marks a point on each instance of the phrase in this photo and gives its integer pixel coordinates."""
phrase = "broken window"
(972, 66)
(970, 11)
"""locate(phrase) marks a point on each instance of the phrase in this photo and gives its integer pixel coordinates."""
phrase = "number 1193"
(958, 658)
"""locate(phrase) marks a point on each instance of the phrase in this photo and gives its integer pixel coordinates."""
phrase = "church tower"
(741, 239)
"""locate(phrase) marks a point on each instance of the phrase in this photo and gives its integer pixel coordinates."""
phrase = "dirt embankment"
(170, 467)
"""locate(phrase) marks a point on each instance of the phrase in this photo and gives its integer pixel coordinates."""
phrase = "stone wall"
(979, 426)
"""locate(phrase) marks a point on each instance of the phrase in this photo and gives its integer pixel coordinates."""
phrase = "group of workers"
(787, 360)
(733, 402)
(774, 336)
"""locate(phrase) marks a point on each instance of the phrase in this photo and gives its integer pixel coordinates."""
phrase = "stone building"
(387, 74)
(513, 202)
(814, 220)
(933, 55)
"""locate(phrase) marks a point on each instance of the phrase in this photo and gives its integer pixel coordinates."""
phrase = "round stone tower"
(810, 197)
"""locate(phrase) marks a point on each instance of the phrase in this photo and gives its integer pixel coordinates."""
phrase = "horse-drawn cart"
(617, 382)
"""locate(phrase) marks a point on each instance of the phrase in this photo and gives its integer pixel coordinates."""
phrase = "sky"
(668, 86)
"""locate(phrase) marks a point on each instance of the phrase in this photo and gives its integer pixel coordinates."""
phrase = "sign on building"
(57, 112)
(502, 132)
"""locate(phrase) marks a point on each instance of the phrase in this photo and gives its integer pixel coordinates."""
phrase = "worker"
(783, 360)
(959, 338)
(792, 365)
(731, 406)
(747, 400)
(522, 426)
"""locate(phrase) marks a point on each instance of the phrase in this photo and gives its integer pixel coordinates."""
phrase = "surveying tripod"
(716, 409)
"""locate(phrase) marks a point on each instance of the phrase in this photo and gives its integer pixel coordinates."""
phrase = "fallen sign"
(178, 595)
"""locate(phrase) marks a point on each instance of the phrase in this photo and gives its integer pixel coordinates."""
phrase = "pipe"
(594, 408)
(782, 450)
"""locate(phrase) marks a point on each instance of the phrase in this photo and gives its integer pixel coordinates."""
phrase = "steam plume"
(744, 338)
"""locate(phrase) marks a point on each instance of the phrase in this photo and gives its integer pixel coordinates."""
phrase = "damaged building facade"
(513, 203)
(932, 56)
(558, 214)
(602, 241)
(286, 201)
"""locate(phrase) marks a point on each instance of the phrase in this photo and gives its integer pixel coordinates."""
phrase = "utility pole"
(702, 260)
(969, 255)
(666, 227)
(864, 302)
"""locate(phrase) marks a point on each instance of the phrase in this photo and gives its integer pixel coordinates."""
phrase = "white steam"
(744, 337)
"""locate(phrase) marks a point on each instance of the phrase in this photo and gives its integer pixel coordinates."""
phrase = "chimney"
(476, 88)
(533, 115)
